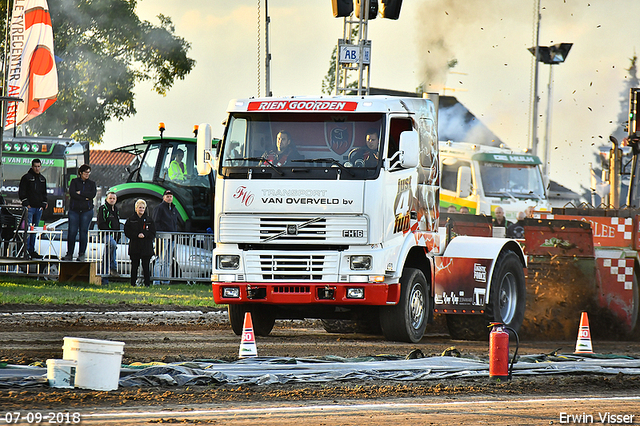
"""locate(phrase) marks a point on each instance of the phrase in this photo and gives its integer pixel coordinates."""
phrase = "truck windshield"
(511, 180)
(301, 145)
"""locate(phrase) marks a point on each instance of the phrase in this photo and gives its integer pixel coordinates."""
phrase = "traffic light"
(342, 8)
(373, 8)
(390, 9)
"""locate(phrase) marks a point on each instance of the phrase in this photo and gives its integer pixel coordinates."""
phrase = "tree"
(103, 49)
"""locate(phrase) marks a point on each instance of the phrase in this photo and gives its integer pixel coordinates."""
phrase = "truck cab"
(315, 220)
(482, 178)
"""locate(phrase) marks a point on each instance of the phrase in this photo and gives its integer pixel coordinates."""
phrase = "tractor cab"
(168, 163)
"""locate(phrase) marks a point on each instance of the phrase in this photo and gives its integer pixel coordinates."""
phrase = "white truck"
(482, 178)
(327, 236)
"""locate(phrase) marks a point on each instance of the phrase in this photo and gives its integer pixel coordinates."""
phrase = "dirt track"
(33, 334)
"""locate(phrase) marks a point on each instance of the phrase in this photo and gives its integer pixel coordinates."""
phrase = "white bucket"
(61, 373)
(98, 362)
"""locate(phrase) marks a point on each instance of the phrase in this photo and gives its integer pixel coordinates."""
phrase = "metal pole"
(534, 124)
(364, 18)
(267, 60)
(547, 133)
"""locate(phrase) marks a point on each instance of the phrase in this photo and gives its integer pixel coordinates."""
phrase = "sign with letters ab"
(350, 53)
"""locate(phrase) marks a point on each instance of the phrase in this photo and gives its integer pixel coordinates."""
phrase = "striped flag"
(32, 75)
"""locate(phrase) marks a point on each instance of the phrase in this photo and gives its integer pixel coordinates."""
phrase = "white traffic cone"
(248, 345)
(583, 344)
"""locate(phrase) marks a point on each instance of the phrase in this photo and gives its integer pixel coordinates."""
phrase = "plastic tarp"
(271, 370)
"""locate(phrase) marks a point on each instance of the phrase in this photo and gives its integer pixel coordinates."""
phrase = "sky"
(489, 39)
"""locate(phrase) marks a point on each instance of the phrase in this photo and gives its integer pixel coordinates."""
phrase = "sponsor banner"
(607, 231)
(461, 283)
(616, 282)
(32, 74)
(264, 196)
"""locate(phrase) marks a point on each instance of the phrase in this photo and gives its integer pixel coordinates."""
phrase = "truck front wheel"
(406, 321)
(262, 317)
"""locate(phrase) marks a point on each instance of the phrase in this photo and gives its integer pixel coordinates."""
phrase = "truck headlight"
(360, 263)
(230, 292)
(355, 293)
(228, 261)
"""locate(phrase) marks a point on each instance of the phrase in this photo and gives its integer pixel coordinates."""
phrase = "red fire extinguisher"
(499, 351)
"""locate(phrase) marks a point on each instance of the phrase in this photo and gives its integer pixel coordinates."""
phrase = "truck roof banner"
(32, 76)
(302, 105)
(507, 158)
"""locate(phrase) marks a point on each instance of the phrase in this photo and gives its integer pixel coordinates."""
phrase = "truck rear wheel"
(406, 321)
(262, 317)
(507, 302)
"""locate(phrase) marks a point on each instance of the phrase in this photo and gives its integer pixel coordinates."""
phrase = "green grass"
(27, 291)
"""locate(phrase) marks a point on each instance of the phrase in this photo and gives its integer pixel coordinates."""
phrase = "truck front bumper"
(373, 294)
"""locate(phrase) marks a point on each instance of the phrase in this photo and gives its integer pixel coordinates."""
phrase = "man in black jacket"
(33, 194)
(165, 217)
(82, 191)
(109, 220)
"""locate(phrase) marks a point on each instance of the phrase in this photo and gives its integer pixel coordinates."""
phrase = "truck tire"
(262, 317)
(406, 321)
(507, 302)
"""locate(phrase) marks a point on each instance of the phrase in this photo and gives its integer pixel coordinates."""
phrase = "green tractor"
(168, 163)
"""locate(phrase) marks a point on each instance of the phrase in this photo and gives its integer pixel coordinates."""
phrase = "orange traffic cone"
(583, 345)
(248, 345)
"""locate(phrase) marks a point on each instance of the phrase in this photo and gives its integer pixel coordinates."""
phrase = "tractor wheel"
(507, 301)
(262, 317)
(406, 321)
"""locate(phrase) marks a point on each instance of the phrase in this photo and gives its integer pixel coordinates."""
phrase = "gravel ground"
(35, 333)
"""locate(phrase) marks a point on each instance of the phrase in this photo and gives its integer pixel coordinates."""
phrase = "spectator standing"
(500, 220)
(516, 230)
(141, 232)
(464, 210)
(165, 217)
(109, 220)
(452, 209)
(82, 191)
(32, 191)
(528, 212)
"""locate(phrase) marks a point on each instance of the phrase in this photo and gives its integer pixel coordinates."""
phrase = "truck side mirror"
(409, 149)
(204, 148)
(463, 186)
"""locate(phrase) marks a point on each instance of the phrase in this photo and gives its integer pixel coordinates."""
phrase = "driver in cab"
(285, 150)
(177, 171)
(368, 155)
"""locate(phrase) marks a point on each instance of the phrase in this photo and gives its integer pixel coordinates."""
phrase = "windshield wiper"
(325, 160)
(265, 159)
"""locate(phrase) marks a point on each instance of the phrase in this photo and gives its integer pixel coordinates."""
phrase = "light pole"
(551, 55)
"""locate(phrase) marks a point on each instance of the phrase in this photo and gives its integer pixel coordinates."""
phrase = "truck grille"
(291, 266)
(287, 229)
(272, 229)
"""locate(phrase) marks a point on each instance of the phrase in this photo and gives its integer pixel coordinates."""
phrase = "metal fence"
(179, 257)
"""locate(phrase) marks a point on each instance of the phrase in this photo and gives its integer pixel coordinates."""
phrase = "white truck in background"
(482, 178)
(320, 237)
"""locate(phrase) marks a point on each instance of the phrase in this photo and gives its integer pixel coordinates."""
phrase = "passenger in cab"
(368, 155)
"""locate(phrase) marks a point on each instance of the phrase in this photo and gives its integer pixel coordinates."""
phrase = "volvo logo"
(292, 229)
